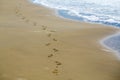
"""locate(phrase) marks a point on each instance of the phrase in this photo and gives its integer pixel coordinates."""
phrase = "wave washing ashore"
(94, 11)
(113, 42)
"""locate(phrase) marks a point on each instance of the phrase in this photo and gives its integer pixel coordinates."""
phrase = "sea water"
(98, 11)
(113, 42)
(94, 11)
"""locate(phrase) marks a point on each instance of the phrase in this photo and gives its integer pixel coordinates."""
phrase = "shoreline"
(109, 48)
(38, 45)
(56, 13)
(77, 20)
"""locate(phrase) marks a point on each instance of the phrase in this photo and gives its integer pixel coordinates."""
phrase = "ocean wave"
(90, 18)
(99, 11)
(113, 43)
(95, 11)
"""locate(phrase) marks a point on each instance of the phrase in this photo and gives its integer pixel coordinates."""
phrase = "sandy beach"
(35, 44)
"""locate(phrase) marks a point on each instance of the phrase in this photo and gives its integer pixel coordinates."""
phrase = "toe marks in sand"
(44, 27)
(48, 44)
(55, 39)
(58, 63)
(55, 71)
(55, 50)
(50, 55)
(49, 35)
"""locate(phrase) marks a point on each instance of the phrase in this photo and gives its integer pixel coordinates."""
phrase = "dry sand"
(37, 45)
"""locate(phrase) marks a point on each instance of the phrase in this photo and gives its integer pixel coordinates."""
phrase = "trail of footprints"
(22, 17)
(55, 71)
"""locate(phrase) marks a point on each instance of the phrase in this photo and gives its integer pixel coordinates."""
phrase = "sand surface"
(37, 45)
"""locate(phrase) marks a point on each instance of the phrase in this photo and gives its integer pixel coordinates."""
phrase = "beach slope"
(35, 44)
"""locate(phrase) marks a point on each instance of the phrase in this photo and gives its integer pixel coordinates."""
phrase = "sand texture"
(35, 44)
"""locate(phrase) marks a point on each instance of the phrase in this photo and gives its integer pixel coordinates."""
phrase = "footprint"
(54, 39)
(49, 35)
(48, 44)
(44, 27)
(50, 55)
(57, 66)
(55, 71)
(55, 50)
(58, 63)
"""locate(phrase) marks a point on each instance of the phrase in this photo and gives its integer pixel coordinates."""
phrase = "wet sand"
(37, 45)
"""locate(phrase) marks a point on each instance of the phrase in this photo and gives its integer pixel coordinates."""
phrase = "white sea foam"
(102, 11)
(112, 43)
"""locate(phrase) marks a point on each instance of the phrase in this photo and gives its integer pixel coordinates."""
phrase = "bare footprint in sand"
(55, 71)
(58, 63)
(50, 55)
(54, 39)
(57, 66)
(44, 27)
(49, 35)
(55, 50)
(48, 44)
